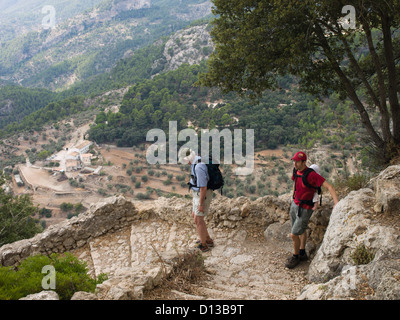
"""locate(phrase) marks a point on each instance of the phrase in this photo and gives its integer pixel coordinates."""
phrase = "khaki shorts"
(299, 224)
(206, 204)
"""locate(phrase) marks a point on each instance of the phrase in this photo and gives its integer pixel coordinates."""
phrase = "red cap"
(300, 156)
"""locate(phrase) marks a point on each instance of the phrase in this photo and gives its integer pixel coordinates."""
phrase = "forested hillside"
(92, 42)
(156, 97)
(18, 102)
(51, 113)
(279, 117)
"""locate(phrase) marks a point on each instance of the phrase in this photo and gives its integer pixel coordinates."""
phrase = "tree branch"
(392, 77)
(381, 105)
(385, 118)
(349, 88)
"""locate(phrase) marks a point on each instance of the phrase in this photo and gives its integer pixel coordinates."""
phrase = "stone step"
(156, 241)
(239, 292)
(111, 252)
(242, 269)
(217, 294)
(185, 296)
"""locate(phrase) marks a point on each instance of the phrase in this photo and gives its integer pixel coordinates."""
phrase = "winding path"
(242, 265)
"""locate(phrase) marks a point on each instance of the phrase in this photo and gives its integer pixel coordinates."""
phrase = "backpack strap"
(193, 176)
(193, 166)
(304, 177)
(294, 176)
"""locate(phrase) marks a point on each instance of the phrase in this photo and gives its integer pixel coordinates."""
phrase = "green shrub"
(167, 182)
(362, 255)
(142, 196)
(71, 275)
(356, 182)
(344, 186)
(66, 206)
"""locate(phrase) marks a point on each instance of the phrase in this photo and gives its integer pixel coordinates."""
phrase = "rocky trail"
(242, 265)
(142, 246)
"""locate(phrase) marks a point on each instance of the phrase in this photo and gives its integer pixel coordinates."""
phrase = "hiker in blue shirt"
(201, 198)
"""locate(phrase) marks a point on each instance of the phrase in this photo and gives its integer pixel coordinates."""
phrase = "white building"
(84, 146)
(74, 155)
(18, 180)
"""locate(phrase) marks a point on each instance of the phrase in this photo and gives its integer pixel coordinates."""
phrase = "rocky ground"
(242, 265)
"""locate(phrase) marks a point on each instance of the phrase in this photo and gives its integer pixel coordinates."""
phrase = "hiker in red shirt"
(302, 205)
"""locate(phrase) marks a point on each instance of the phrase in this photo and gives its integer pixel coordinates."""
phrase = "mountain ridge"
(91, 43)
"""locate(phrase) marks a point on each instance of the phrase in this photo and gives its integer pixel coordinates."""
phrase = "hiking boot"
(203, 248)
(209, 243)
(303, 257)
(292, 262)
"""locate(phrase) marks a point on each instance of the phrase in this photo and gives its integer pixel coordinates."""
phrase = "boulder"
(354, 225)
(278, 231)
(387, 191)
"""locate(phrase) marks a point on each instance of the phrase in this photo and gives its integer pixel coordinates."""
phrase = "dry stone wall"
(225, 212)
(101, 218)
(116, 213)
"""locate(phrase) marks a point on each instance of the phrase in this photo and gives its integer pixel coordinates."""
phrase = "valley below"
(125, 171)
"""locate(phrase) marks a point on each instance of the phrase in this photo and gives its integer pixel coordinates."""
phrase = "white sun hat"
(190, 156)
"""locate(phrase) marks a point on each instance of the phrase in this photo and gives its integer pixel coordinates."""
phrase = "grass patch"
(188, 271)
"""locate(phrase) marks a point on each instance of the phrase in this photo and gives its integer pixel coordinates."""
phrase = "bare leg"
(296, 243)
(201, 229)
(303, 240)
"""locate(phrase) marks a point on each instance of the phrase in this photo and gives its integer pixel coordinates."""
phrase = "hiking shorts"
(206, 204)
(299, 224)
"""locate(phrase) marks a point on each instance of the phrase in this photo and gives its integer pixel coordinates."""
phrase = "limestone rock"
(344, 286)
(387, 190)
(353, 224)
(43, 295)
(279, 231)
(384, 278)
(187, 46)
(350, 226)
(349, 219)
(82, 295)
